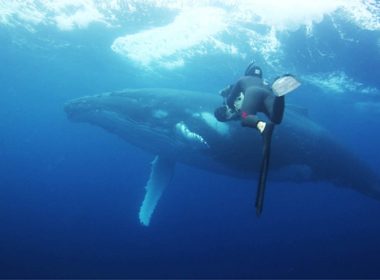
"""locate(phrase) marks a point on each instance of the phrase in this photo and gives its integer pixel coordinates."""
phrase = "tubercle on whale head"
(76, 108)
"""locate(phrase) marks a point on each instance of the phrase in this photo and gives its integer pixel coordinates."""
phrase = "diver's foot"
(261, 126)
(267, 131)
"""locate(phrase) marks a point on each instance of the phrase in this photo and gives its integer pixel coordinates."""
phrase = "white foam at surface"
(267, 45)
(285, 15)
(365, 13)
(190, 28)
(282, 15)
(338, 82)
(84, 13)
(14, 12)
(198, 28)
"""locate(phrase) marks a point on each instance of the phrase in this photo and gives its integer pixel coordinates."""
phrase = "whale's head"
(159, 120)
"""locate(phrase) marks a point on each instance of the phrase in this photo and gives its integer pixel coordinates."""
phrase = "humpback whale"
(179, 126)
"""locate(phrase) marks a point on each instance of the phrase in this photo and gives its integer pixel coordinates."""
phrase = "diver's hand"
(225, 91)
(229, 112)
(224, 113)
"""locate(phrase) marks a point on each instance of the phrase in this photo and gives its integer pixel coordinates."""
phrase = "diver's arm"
(225, 92)
(235, 92)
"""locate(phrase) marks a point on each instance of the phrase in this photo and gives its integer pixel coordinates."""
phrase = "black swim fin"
(267, 139)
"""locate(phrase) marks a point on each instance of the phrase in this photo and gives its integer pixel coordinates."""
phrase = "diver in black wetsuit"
(249, 96)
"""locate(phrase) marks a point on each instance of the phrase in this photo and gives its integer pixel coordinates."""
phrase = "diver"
(251, 95)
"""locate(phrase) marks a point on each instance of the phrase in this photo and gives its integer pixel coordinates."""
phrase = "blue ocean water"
(70, 193)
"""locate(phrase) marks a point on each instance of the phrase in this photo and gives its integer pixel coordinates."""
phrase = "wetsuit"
(258, 97)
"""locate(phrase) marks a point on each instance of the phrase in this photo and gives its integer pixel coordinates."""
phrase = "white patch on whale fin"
(194, 139)
(160, 176)
(211, 121)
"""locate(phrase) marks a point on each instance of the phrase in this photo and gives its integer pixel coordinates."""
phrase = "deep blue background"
(70, 193)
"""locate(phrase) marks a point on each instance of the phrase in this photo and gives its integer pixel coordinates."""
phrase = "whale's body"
(179, 126)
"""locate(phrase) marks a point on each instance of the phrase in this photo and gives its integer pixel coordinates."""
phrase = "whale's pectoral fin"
(160, 176)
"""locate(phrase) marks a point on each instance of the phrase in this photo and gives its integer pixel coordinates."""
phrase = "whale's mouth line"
(83, 114)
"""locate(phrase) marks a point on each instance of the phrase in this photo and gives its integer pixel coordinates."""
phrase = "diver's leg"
(275, 107)
(254, 102)
(249, 109)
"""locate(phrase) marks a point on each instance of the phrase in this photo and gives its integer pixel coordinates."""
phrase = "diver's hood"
(253, 70)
